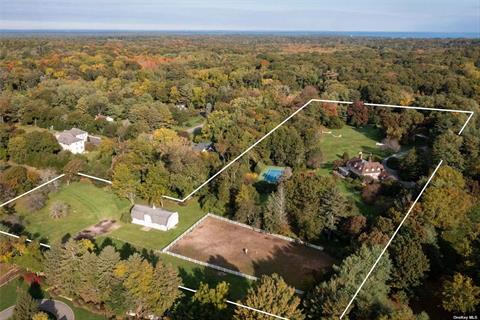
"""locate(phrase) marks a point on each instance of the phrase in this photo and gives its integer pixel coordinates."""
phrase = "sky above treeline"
(245, 15)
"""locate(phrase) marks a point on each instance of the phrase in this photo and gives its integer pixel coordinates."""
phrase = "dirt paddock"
(242, 249)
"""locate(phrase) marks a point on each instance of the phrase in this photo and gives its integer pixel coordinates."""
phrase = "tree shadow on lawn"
(18, 228)
(370, 132)
(238, 285)
(125, 250)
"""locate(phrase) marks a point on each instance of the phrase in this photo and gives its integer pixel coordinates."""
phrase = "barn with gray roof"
(155, 218)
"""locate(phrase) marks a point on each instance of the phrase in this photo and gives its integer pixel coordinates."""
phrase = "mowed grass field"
(155, 239)
(89, 205)
(352, 140)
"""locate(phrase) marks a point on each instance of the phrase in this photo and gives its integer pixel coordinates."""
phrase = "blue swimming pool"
(272, 175)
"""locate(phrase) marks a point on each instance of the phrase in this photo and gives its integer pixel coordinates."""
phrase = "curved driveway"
(59, 309)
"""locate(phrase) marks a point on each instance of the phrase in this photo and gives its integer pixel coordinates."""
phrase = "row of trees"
(135, 285)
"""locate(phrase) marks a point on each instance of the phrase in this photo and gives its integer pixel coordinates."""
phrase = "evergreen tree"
(328, 299)
(410, 170)
(87, 288)
(105, 265)
(273, 295)
(25, 306)
(275, 212)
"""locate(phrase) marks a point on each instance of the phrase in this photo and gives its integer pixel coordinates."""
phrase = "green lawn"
(154, 239)
(90, 204)
(352, 140)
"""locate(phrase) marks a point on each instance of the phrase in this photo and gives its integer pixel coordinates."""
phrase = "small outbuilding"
(155, 218)
(206, 146)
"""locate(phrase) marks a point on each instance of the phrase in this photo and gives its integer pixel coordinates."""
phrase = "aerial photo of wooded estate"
(238, 175)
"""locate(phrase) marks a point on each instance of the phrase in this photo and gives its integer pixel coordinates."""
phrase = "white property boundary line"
(300, 109)
(50, 181)
(391, 239)
(180, 287)
(94, 178)
(240, 305)
(471, 113)
(36, 188)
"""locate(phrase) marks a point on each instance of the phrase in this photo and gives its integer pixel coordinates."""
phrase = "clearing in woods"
(223, 244)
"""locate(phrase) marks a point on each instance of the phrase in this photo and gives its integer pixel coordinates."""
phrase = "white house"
(72, 140)
(154, 217)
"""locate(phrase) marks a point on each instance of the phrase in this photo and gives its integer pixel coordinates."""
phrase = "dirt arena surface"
(222, 243)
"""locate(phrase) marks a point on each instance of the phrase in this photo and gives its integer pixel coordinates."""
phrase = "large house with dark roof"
(155, 218)
(365, 168)
(72, 140)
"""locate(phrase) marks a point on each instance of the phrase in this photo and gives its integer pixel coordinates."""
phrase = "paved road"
(192, 129)
(58, 308)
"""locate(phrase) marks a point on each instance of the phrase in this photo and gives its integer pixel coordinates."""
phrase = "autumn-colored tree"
(149, 290)
(125, 182)
(40, 316)
(206, 303)
(357, 114)
(246, 205)
(460, 294)
(270, 294)
(73, 167)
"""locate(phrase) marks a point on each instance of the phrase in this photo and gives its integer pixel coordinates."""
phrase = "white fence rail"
(171, 244)
(213, 266)
(267, 233)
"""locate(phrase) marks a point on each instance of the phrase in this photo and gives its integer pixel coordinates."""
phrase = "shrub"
(59, 210)
(35, 201)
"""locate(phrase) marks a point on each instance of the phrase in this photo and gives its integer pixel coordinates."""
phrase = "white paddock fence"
(171, 244)
(267, 233)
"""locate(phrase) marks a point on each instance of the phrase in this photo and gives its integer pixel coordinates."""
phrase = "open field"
(89, 205)
(222, 243)
(352, 140)
(155, 239)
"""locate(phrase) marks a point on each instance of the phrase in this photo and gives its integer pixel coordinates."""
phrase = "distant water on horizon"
(353, 34)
